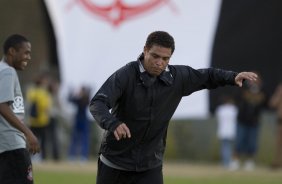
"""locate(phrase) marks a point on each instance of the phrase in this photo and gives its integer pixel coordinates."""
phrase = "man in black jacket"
(142, 97)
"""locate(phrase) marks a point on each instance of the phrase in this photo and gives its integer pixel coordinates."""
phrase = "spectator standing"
(79, 145)
(55, 114)
(39, 102)
(226, 115)
(250, 107)
(276, 103)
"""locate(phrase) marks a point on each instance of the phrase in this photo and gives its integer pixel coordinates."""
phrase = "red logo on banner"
(118, 11)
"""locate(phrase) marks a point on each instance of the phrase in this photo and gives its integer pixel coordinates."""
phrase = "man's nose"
(159, 62)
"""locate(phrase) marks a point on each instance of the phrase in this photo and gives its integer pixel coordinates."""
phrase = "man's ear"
(11, 51)
(145, 49)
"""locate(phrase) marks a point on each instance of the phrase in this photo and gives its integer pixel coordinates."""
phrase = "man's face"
(21, 56)
(156, 59)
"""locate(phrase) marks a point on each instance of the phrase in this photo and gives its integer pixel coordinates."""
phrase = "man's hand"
(251, 76)
(122, 131)
(32, 143)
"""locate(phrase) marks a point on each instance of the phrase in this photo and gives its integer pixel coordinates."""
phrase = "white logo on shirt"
(18, 105)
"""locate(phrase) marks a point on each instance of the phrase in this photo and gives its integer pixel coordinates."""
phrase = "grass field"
(174, 173)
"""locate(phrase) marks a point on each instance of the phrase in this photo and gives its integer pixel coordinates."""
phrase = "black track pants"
(108, 175)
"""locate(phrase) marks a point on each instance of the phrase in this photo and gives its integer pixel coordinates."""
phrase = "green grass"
(173, 175)
(48, 177)
(221, 180)
(53, 177)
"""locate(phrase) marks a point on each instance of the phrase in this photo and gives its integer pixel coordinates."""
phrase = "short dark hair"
(160, 38)
(14, 41)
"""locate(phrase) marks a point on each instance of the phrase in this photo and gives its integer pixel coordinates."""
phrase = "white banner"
(96, 37)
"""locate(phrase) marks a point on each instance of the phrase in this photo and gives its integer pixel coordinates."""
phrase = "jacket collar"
(148, 80)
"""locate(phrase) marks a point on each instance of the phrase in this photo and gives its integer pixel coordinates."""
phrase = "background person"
(276, 103)
(79, 145)
(54, 119)
(226, 115)
(39, 101)
(250, 107)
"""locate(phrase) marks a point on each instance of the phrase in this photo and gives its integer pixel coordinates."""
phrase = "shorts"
(15, 167)
(108, 175)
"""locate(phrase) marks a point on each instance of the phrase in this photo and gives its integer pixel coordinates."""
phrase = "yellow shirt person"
(40, 103)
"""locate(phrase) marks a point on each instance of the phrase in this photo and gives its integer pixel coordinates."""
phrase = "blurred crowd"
(56, 128)
(239, 123)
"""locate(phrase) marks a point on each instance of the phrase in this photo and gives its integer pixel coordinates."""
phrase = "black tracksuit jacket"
(146, 107)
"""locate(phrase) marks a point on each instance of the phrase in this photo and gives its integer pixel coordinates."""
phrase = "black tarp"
(248, 37)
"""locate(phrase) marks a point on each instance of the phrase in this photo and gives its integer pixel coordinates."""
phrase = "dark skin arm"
(32, 142)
